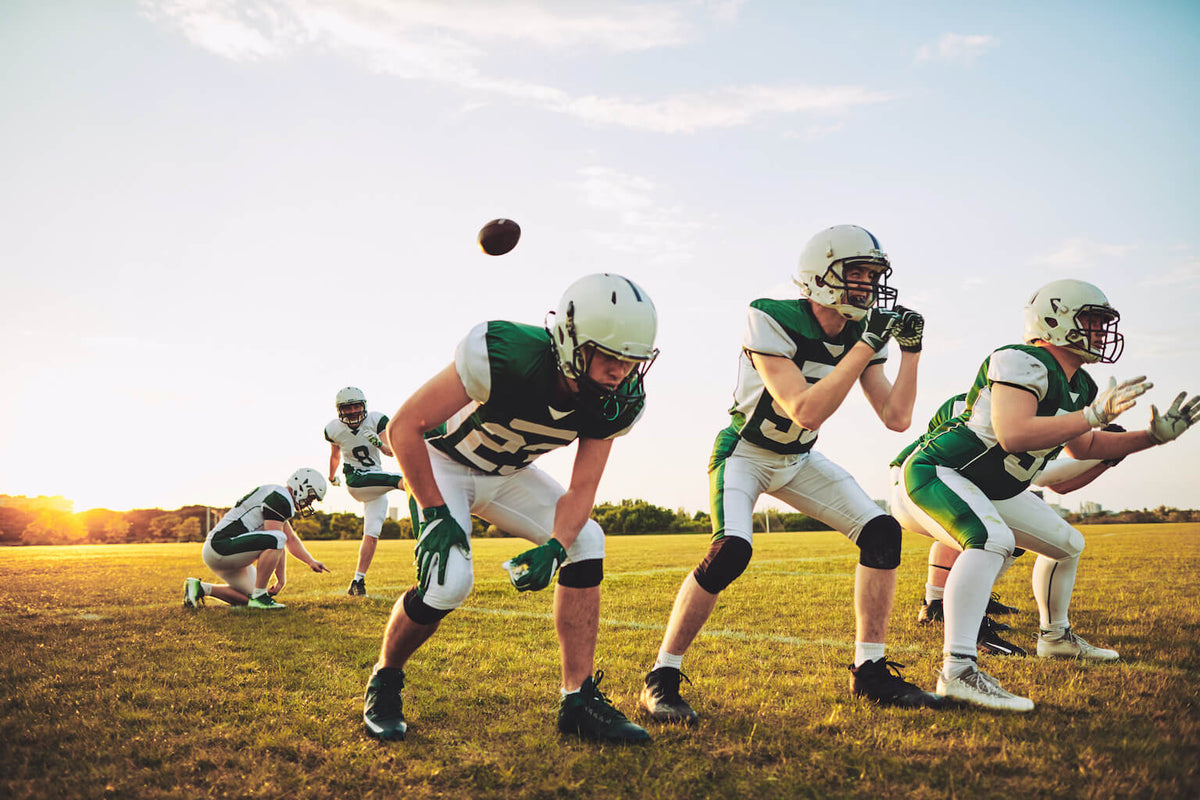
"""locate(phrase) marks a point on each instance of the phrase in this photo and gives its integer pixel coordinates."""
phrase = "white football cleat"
(1072, 646)
(977, 688)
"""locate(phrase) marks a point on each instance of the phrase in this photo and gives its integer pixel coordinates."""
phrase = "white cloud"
(445, 43)
(1081, 254)
(956, 48)
(1186, 273)
(644, 225)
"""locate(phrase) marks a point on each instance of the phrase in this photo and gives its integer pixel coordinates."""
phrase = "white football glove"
(373, 439)
(335, 480)
(1179, 417)
(1116, 398)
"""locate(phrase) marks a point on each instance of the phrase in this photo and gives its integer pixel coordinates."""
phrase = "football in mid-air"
(499, 236)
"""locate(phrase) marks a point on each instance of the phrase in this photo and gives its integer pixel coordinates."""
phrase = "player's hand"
(318, 566)
(533, 570)
(1116, 398)
(275, 588)
(908, 330)
(439, 532)
(880, 323)
(1179, 417)
(375, 440)
(335, 480)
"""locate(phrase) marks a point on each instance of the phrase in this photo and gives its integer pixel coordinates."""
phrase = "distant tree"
(346, 526)
(13, 521)
(188, 530)
(309, 529)
(54, 527)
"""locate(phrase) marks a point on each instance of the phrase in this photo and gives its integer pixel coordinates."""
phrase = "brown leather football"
(499, 236)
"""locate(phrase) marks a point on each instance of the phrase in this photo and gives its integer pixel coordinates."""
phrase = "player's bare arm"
(810, 405)
(431, 405)
(296, 547)
(1019, 429)
(1107, 446)
(893, 402)
(335, 458)
(574, 507)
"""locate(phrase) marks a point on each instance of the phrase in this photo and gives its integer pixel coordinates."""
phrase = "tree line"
(50, 520)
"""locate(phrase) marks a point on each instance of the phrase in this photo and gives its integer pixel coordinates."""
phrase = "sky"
(214, 214)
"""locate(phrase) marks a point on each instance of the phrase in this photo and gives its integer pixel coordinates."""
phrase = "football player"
(799, 360)
(466, 442)
(246, 546)
(965, 484)
(355, 443)
(1061, 476)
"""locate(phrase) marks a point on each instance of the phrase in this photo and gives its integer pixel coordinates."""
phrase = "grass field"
(111, 690)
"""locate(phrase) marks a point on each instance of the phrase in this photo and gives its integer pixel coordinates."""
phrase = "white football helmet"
(612, 314)
(346, 399)
(823, 260)
(307, 487)
(1053, 315)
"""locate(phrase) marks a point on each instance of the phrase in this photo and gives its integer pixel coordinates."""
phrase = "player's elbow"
(1011, 442)
(897, 421)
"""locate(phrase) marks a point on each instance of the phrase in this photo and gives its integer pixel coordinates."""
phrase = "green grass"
(111, 690)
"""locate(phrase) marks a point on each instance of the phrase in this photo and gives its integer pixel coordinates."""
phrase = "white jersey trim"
(472, 363)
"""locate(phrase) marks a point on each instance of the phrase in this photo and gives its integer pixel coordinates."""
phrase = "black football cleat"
(590, 715)
(358, 588)
(994, 606)
(931, 611)
(989, 640)
(660, 698)
(383, 711)
(880, 682)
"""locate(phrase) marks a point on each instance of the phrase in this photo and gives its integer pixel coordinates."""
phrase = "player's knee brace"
(726, 560)
(582, 574)
(419, 611)
(879, 543)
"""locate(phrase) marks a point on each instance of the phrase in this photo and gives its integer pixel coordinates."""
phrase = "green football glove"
(533, 570)
(439, 532)
(1115, 399)
(375, 440)
(880, 322)
(909, 330)
(1179, 417)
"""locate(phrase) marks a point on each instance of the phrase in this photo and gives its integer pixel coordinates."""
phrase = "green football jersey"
(784, 328)
(511, 374)
(945, 412)
(967, 443)
(269, 502)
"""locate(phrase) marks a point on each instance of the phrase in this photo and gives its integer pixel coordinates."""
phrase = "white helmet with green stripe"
(823, 262)
(351, 406)
(307, 487)
(1076, 316)
(614, 315)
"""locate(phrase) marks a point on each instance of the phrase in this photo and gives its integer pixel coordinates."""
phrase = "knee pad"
(582, 574)
(418, 611)
(879, 543)
(726, 560)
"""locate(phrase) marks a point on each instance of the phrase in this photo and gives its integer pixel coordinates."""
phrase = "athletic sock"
(666, 659)
(868, 651)
(1053, 632)
(206, 589)
(934, 592)
(257, 593)
(953, 666)
(358, 576)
